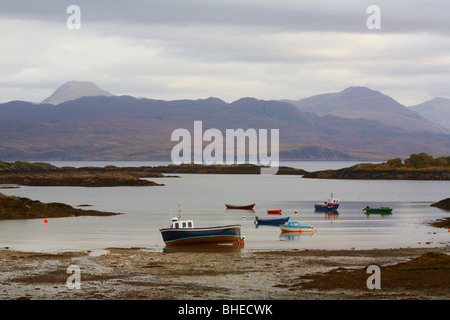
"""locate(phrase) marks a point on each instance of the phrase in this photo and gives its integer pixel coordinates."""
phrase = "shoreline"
(44, 174)
(146, 274)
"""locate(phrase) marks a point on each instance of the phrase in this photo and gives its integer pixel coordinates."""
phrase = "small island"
(417, 167)
(44, 174)
(12, 207)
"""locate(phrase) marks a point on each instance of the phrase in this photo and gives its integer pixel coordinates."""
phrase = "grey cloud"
(310, 15)
(189, 49)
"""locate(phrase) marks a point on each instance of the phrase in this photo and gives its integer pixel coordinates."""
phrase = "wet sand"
(144, 274)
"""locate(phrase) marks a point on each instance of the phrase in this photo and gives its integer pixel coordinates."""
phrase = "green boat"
(381, 210)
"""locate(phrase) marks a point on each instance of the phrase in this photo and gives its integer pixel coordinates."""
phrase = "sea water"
(202, 198)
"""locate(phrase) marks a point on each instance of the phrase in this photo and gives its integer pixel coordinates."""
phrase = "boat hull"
(326, 207)
(272, 221)
(248, 207)
(276, 211)
(285, 228)
(378, 210)
(213, 235)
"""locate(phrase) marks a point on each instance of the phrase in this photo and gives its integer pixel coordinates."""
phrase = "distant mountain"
(126, 128)
(437, 109)
(73, 90)
(365, 103)
(315, 153)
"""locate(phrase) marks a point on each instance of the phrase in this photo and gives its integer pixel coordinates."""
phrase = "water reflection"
(295, 236)
(328, 214)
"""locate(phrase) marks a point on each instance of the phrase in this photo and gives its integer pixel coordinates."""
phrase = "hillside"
(437, 109)
(315, 153)
(127, 128)
(365, 103)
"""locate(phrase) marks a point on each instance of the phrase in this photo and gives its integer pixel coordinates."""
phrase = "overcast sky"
(284, 49)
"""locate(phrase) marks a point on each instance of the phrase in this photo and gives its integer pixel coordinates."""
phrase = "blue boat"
(184, 233)
(272, 220)
(330, 204)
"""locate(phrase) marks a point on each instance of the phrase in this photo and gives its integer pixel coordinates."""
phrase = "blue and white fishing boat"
(185, 233)
(330, 204)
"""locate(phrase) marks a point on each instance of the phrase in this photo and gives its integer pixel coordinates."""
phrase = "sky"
(229, 49)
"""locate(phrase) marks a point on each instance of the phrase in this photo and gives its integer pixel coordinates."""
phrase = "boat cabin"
(177, 224)
(333, 201)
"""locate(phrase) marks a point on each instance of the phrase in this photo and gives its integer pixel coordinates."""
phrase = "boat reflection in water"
(329, 214)
(292, 236)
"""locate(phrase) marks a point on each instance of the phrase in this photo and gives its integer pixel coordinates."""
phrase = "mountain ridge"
(362, 102)
(436, 109)
(128, 128)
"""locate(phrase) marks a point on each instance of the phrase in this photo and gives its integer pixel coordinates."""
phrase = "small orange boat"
(274, 211)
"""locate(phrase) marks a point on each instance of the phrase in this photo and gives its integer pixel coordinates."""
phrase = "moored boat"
(380, 210)
(295, 226)
(271, 221)
(185, 233)
(274, 211)
(330, 204)
(245, 207)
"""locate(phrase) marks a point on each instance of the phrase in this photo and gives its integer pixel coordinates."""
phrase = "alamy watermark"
(73, 22)
(373, 22)
(374, 281)
(190, 149)
(74, 280)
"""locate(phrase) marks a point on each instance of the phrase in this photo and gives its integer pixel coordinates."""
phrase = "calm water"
(203, 197)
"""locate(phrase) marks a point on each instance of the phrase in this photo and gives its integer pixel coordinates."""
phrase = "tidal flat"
(143, 274)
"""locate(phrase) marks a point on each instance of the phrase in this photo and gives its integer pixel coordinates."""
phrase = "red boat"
(274, 211)
(247, 207)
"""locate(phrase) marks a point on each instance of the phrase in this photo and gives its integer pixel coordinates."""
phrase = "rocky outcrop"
(443, 204)
(44, 174)
(392, 174)
(12, 207)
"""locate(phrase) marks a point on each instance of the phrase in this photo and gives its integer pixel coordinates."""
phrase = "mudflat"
(207, 274)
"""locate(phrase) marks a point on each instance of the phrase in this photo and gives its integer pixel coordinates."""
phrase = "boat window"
(176, 225)
(189, 224)
(184, 224)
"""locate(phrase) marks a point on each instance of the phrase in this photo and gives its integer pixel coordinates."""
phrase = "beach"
(146, 274)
